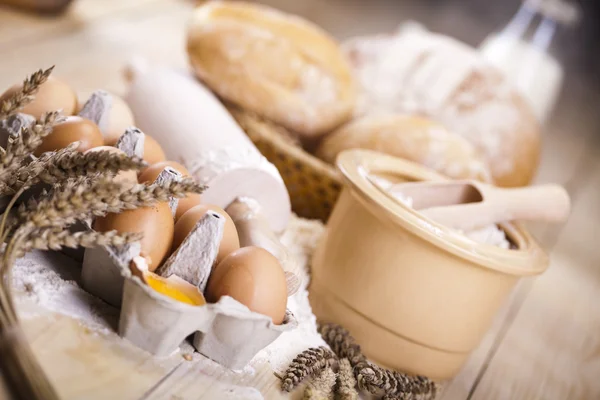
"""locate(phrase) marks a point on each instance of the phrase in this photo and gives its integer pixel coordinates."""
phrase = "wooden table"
(545, 342)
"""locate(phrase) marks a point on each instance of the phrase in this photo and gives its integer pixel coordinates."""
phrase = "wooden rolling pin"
(194, 128)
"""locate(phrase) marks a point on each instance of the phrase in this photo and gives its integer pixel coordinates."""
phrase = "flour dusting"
(52, 280)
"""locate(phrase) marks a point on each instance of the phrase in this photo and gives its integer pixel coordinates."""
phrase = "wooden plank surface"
(573, 150)
(85, 364)
(204, 379)
(552, 350)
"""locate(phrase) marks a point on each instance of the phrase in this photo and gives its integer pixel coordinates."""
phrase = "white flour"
(491, 234)
(51, 280)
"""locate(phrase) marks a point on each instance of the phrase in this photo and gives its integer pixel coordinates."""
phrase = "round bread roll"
(274, 64)
(413, 138)
(418, 72)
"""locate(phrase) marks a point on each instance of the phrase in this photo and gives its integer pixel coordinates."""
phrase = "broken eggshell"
(226, 331)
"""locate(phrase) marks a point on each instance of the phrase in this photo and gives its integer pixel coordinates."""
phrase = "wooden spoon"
(468, 205)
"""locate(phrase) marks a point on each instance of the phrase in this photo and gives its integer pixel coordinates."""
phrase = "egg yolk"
(163, 287)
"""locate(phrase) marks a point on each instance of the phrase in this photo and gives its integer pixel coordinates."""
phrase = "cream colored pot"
(416, 295)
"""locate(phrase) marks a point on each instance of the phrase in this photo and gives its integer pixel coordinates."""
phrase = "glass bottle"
(521, 51)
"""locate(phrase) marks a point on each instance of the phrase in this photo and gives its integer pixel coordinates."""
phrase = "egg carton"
(226, 331)
(131, 143)
(97, 109)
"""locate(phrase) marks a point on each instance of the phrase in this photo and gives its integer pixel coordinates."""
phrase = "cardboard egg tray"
(226, 331)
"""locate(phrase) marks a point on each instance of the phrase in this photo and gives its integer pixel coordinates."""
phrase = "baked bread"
(279, 66)
(419, 72)
(413, 138)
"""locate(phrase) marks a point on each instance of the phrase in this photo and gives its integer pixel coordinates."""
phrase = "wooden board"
(552, 350)
(85, 364)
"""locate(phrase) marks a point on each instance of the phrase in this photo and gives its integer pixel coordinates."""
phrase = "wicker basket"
(313, 185)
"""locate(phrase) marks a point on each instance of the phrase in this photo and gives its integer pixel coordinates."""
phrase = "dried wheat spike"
(321, 386)
(341, 342)
(31, 173)
(346, 383)
(394, 385)
(307, 364)
(67, 163)
(100, 161)
(80, 198)
(53, 239)
(30, 138)
(20, 99)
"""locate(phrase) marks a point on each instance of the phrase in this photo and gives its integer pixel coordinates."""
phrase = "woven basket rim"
(254, 124)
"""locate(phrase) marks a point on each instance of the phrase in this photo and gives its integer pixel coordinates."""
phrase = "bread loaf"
(413, 138)
(418, 72)
(276, 65)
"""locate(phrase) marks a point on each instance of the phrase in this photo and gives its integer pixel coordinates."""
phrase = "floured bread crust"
(421, 73)
(413, 138)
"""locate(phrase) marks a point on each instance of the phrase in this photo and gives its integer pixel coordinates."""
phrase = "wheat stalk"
(22, 374)
(79, 199)
(27, 141)
(56, 239)
(21, 98)
(56, 167)
(27, 175)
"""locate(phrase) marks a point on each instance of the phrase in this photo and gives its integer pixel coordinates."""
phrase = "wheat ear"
(80, 198)
(58, 166)
(30, 137)
(21, 98)
(56, 239)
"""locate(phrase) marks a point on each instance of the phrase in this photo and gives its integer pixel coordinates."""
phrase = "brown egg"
(186, 223)
(119, 120)
(191, 200)
(53, 95)
(123, 176)
(155, 223)
(73, 129)
(254, 277)
(153, 153)
(151, 173)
